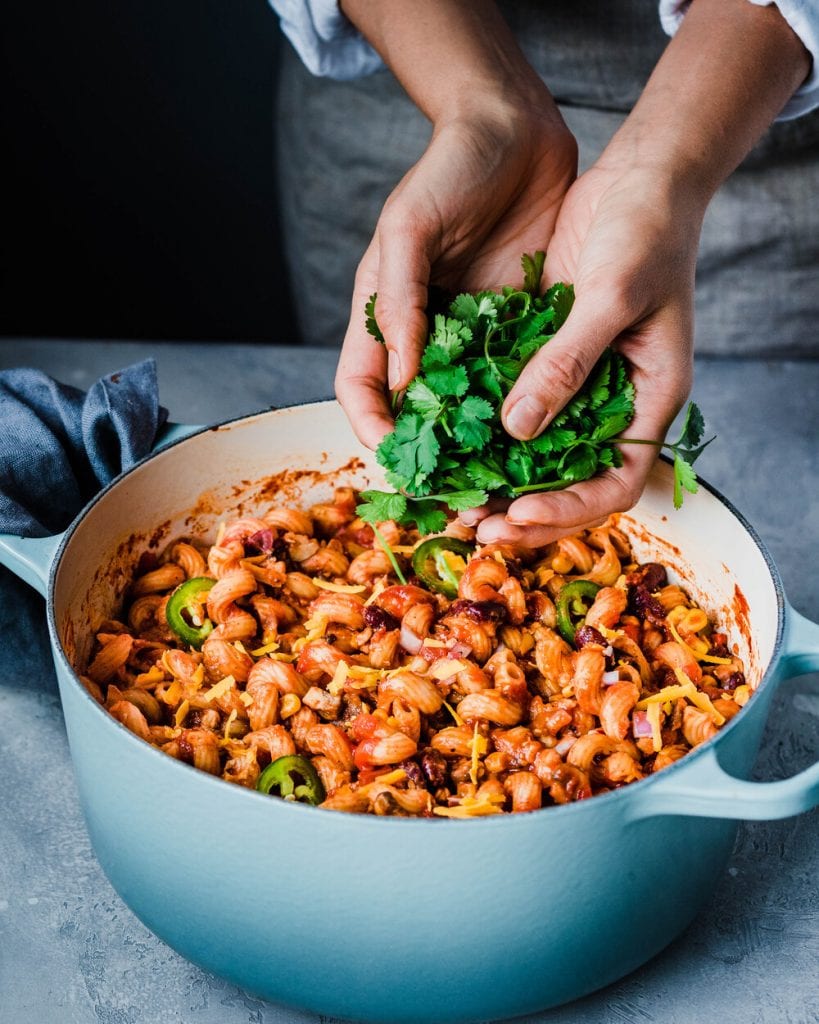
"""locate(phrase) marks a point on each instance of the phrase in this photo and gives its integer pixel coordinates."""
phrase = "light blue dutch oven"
(404, 920)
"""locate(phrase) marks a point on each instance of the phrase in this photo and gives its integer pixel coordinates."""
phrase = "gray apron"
(342, 147)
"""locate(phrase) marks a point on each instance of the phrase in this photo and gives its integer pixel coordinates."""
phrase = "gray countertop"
(72, 953)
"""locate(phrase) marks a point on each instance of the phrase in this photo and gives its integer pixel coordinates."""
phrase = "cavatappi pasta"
(404, 701)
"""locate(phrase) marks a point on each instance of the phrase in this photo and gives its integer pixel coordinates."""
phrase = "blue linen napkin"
(59, 445)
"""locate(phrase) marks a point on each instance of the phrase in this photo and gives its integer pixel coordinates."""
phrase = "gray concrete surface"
(72, 953)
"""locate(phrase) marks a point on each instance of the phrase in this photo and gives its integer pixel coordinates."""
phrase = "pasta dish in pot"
(313, 658)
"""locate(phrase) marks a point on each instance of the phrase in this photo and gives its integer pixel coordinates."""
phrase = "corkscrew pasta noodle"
(404, 701)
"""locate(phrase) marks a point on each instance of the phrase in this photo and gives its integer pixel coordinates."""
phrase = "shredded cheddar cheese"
(230, 720)
(219, 689)
(388, 779)
(471, 807)
(181, 712)
(712, 659)
(432, 642)
(266, 649)
(478, 745)
(336, 684)
(445, 668)
(246, 698)
(338, 588)
(153, 675)
(653, 718)
(687, 690)
(379, 587)
(454, 713)
(742, 694)
(173, 693)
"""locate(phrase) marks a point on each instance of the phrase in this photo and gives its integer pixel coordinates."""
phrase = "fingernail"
(526, 418)
(393, 369)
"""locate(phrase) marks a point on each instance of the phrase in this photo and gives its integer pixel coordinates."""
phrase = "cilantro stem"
(388, 551)
(554, 485)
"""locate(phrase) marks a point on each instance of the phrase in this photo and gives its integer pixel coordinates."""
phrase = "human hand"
(627, 239)
(488, 188)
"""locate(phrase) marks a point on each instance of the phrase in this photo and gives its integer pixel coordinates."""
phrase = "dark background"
(140, 199)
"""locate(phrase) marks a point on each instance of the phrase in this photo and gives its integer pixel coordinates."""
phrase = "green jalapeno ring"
(429, 563)
(292, 778)
(183, 599)
(573, 602)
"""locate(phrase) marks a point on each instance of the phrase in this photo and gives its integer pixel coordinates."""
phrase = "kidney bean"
(434, 767)
(588, 635)
(377, 618)
(480, 611)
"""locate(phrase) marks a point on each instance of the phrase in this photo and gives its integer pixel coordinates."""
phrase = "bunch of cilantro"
(449, 448)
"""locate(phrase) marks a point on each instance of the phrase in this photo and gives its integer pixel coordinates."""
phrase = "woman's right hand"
(487, 189)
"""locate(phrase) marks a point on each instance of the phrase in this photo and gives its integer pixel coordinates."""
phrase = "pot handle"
(171, 432)
(705, 790)
(31, 558)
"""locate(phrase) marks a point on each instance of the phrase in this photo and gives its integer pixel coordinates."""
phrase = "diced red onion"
(459, 650)
(410, 640)
(565, 745)
(612, 676)
(608, 651)
(640, 724)
(262, 541)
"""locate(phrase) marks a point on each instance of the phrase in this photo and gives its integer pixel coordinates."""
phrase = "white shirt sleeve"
(328, 44)
(803, 18)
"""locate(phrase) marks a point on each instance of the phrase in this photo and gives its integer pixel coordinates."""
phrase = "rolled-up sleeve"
(803, 18)
(328, 43)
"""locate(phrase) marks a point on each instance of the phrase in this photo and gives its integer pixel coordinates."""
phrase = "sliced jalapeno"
(292, 778)
(183, 603)
(573, 602)
(435, 563)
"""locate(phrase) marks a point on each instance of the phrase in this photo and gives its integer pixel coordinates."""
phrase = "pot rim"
(348, 820)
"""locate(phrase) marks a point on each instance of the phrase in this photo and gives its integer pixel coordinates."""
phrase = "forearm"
(453, 57)
(720, 83)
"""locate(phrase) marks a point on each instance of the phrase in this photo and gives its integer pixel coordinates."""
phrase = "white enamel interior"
(188, 488)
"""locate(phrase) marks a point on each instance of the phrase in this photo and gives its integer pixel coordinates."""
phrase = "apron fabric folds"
(342, 147)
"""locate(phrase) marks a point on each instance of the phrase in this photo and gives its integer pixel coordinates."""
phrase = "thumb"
(558, 371)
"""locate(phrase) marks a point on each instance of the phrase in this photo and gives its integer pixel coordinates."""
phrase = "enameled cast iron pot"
(404, 920)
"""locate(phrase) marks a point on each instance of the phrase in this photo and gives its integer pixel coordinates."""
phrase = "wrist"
(720, 83)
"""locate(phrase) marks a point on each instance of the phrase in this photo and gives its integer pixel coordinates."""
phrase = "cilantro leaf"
(561, 298)
(684, 477)
(579, 462)
(485, 475)
(379, 506)
(459, 501)
(426, 516)
(693, 427)
(371, 323)
(422, 399)
(532, 271)
(554, 439)
(467, 422)
(448, 380)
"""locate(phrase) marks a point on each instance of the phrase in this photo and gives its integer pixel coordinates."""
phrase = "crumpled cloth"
(60, 445)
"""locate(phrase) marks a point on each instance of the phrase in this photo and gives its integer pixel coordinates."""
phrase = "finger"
(362, 364)
(497, 529)
(559, 369)
(615, 490)
(405, 255)
(473, 516)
